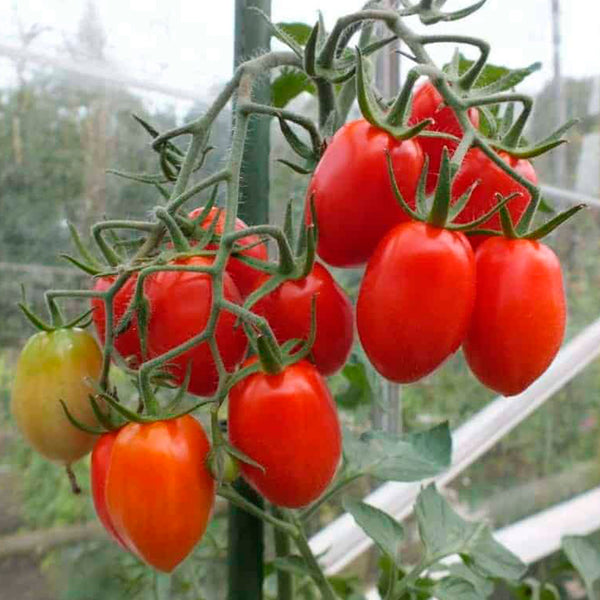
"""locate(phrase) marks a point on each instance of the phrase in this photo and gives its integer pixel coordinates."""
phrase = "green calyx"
(441, 211)
(511, 232)
(391, 122)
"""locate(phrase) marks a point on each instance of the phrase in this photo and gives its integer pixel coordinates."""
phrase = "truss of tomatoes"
(428, 290)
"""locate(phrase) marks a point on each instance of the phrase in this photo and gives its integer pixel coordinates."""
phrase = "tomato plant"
(126, 343)
(428, 103)
(101, 455)
(53, 366)
(244, 276)
(288, 424)
(354, 203)
(288, 311)
(476, 166)
(180, 305)
(519, 317)
(415, 300)
(159, 492)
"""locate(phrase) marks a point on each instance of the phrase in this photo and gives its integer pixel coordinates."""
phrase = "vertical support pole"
(246, 544)
(557, 88)
(387, 76)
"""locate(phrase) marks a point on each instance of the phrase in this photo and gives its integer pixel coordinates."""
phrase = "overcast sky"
(188, 43)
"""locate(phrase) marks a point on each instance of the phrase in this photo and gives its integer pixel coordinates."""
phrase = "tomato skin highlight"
(53, 366)
(287, 423)
(127, 343)
(354, 202)
(492, 179)
(288, 310)
(159, 492)
(519, 318)
(101, 455)
(428, 103)
(244, 276)
(180, 304)
(415, 300)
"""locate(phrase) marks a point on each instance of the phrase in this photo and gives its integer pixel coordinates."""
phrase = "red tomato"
(519, 317)
(127, 343)
(492, 180)
(101, 455)
(180, 304)
(428, 104)
(415, 300)
(355, 205)
(288, 310)
(159, 492)
(287, 423)
(244, 276)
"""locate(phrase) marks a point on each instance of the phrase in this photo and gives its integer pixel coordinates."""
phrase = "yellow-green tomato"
(53, 366)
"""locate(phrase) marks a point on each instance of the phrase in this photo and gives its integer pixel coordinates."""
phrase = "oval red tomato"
(244, 276)
(415, 300)
(101, 455)
(127, 343)
(355, 205)
(287, 423)
(159, 492)
(288, 310)
(180, 304)
(428, 103)
(519, 318)
(492, 180)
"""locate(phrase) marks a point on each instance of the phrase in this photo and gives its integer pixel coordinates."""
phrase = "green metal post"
(246, 541)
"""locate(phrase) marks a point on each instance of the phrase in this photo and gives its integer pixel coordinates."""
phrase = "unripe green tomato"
(223, 467)
(53, 366)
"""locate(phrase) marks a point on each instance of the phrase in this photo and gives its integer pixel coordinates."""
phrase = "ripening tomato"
(518, 322)
(354, 202)
(159, 492)
(476, 166)
(428, 103)
(415, 300)
(244, 276)
(101, 455)
(180, 304)
(288, 310)
(53, 366)
(127, 343)
(287, 423)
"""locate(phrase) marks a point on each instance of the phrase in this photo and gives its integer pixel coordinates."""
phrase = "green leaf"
(586, 559)
(299, 32)
(444, 533)
(292, 564)
(399, 458)
(493, 78)
(383, 529)
(289, 84)
(454, 588)
(483, 586)
(358, 391)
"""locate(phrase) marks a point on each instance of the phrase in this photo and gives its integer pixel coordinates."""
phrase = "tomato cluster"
(427, 289)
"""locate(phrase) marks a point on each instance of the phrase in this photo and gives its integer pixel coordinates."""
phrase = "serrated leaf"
(585, 558)
(289, 84)
(444, 533)
(299, 32)
(399, 458)
(383, 529)
(453, 588)
(292, 564)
